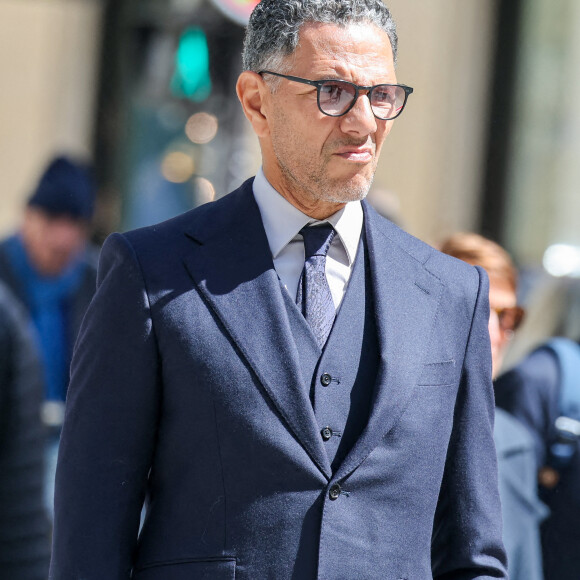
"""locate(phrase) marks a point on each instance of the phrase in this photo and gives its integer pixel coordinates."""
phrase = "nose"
(360, 120)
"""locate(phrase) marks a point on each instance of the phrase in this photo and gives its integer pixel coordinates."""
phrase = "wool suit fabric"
(187, 389)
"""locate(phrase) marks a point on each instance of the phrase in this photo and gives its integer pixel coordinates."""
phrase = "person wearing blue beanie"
(66, 188)
(49, 265)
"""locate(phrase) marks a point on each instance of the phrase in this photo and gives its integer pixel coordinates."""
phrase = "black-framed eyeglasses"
(337, 98)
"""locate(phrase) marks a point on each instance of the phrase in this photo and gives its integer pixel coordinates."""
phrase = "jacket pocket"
(208, 569)
(438, 374)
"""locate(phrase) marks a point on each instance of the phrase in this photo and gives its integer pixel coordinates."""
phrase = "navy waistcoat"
(341, 377)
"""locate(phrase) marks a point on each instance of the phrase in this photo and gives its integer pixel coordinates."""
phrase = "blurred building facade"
(49, 59)
(543, 182)
(489, 140)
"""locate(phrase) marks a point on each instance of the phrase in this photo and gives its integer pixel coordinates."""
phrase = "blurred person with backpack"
(543, 392)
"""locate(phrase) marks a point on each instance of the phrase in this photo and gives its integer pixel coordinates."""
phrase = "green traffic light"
(191, 78)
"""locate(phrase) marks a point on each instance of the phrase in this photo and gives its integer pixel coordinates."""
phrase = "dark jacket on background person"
(24, 525)
(530, 391)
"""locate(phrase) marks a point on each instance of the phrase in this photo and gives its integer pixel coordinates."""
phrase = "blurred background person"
(505, 314)
(543, 391)
(552, 309)
(24, 524)
(49, 266)
(522, 511)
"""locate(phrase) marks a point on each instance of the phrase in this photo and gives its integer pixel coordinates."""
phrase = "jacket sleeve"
(110, 426)
(467, 536)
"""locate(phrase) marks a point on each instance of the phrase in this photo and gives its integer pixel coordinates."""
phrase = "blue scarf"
(48, 299)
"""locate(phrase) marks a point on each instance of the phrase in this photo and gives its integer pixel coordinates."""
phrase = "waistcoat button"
(334, 492)
(326, 433)
(325, 379)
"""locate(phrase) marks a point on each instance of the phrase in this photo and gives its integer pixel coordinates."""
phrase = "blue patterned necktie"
(313, 296)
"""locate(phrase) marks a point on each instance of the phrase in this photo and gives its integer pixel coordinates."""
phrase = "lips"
(356, 154)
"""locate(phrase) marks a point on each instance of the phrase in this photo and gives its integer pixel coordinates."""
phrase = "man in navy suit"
(295, 387)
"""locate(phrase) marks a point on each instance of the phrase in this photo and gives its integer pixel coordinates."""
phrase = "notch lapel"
(405, 296)
(231, 264)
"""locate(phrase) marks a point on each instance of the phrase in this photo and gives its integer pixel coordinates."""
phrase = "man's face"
(314, 160)
(501, 295)
(52, 242)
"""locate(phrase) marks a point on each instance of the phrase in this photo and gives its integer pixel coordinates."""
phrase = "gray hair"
(274, 27)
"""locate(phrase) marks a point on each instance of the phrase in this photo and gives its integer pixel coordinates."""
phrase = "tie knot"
(317, 239)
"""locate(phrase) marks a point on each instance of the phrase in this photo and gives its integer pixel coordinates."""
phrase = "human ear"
(253, 93)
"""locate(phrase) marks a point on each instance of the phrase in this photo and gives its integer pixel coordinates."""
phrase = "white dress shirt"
(283, 222)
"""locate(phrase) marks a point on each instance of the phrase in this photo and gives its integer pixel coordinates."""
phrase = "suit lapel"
(231, 264)
(405, 298)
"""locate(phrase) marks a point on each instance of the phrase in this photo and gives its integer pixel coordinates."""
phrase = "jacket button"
(334, 492)
(325, 379)
(326, 433)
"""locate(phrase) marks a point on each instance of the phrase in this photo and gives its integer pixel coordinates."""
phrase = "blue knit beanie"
(66, 188)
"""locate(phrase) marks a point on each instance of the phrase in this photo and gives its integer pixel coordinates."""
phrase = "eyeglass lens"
(510, 318)
(335, 97)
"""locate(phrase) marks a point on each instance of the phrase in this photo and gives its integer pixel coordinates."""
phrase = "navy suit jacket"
(187, 391)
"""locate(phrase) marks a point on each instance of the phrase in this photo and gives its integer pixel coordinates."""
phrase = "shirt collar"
(282, 221)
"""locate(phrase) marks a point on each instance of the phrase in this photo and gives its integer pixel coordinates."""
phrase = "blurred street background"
(145, 90)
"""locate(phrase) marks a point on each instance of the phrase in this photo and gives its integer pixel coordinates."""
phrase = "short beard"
(329, 192)
(347, 194)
